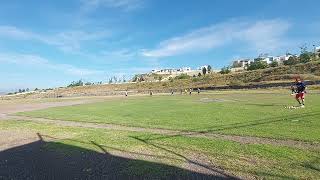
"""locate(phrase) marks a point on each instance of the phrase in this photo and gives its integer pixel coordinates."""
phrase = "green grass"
(245, 160)
(251, 113)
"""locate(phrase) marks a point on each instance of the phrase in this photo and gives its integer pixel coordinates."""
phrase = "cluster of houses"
(242, 64)
(184, 70)
(236, 66)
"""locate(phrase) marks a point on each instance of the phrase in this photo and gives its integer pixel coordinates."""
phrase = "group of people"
(298, 90)
(172, 92)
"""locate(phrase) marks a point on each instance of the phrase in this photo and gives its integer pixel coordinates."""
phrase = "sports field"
(228, 134)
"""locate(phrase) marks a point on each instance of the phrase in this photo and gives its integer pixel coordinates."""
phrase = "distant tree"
(115, 79)
(225, 70)
(258, 64)
(88, 83)
(305, 57)
(27, 90)
(75, 83)
(209, 69)
(20, 91)
(204, 71)
(36, 89)
(135, 78)
(23, 90)
(291, 61)
(274, 64)
(110, 81)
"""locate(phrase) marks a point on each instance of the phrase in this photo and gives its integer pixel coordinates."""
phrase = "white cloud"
(66, 41)
(90, 5)
(260, 35)
(38, 61)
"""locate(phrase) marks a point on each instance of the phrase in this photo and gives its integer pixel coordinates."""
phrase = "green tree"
(305, 57)
(225, 70)
(209, 69)
(291, 61)
(258, 64)
(204, 71)
(274, 64)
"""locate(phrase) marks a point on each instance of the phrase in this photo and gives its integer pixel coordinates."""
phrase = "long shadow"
(210, 168)
(53, 160)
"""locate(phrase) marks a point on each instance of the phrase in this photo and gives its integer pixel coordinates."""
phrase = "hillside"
(309, 71)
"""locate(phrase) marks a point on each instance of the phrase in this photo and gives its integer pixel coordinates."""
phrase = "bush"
(225, 70)
(170, 79)
(257, 65)
(274, 64)
(76, 83)
(182, 76)
(305, 57)
(291, 61)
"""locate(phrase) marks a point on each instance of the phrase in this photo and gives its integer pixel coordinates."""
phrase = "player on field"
(299, 90)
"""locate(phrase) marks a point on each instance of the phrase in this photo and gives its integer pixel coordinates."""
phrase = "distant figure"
(151, 93)
(190, 91)
(126, 93)
(171, 91)
(199, 90)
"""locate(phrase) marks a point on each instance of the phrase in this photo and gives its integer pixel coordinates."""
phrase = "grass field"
(243, 113)
(244, 160)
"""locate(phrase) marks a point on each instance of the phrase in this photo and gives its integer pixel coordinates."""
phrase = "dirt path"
(174, 133)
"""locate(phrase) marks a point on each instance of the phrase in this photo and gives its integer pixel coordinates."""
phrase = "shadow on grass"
(37, 160)
(193, 162)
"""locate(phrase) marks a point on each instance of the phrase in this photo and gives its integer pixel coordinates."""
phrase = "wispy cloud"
(38, 61)
(71, 40)
(126, 5)
(261, 35)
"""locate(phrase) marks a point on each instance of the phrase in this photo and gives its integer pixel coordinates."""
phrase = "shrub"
(257, 65)
(225, 70)
(291, 61)
(274, 64)
(182, 76)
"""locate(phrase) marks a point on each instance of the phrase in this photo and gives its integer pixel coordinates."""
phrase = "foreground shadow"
(52, 160)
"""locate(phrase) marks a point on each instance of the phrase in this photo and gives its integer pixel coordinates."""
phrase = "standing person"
(171, 91)
(198, 91)
(190, 91)
(126, 93)
(151, 93)
(299, 90)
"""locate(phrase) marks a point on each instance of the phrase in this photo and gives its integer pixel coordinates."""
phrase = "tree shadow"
(37, 160)
(210, 168)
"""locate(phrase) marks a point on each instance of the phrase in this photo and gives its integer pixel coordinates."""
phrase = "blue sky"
(51, 43)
